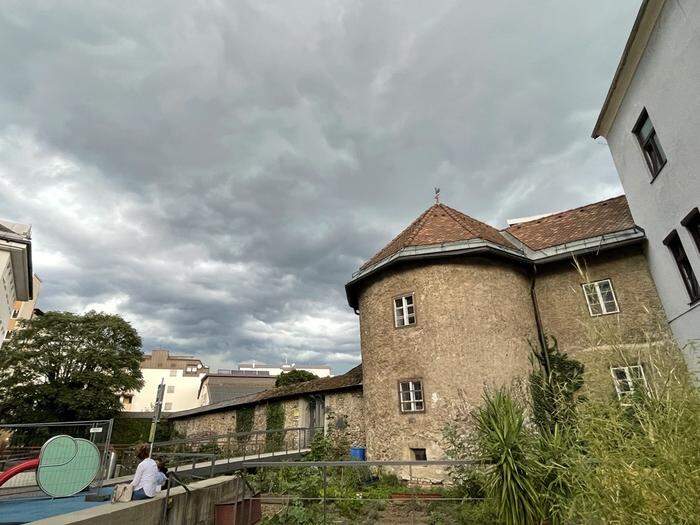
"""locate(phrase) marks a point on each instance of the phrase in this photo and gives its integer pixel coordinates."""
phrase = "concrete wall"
(196, 509)
(473, 319)
(564, 311)
(666, 83)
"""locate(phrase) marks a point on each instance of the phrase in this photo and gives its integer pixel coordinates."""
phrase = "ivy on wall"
(274, 421)
(244, 423)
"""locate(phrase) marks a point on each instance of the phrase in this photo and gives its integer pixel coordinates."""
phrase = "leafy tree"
(63, 366)
(294, 376)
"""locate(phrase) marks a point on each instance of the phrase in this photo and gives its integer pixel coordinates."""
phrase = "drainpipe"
(538, 320)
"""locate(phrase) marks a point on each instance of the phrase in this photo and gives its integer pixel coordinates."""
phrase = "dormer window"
(404, 311)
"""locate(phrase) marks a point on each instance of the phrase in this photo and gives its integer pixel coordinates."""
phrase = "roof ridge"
(459, 220)
(558, 213)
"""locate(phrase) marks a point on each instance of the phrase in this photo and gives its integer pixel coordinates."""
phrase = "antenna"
(437, 195)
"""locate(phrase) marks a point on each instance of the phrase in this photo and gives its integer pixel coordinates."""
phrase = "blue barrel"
(357, 453)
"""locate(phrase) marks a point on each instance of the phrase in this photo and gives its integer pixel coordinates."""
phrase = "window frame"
(643, 142)
(685, 268)
(166, 407)
(629, 380)
(170, 389)
(404, 309)
(599, 295)
(413, 401)
(691, 222)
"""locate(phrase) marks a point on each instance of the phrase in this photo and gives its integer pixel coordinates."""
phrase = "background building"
(227, 384)
(182, 376)
(275, 370)
(16, 278)
(24, 310)
(651, 124)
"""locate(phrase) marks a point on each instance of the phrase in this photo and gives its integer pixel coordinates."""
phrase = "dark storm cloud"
(215, 171)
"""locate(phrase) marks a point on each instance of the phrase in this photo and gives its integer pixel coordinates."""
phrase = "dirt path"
(405, 513)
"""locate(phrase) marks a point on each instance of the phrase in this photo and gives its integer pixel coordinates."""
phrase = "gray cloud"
(216, 171)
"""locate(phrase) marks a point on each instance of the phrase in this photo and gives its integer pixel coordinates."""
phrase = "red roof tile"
(439, 224)
(592, 220)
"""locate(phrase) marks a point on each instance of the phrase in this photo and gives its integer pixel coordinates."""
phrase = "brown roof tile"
(439, 224)
(351, 378)
(592, 220)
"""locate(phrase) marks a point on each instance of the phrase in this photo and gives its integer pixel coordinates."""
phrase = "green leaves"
(294, 376)
(63, 366)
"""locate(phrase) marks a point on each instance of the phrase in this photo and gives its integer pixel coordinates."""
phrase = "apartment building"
(650, 122)
(16, 277)
(275, 370)
(181, 374)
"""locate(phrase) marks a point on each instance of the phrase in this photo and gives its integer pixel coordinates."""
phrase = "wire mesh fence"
(22, 443)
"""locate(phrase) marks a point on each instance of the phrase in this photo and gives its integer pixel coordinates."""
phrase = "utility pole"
(156, 414)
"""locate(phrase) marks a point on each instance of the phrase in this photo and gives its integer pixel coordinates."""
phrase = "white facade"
(660, 72)
(15, 270)
(275, 370)
(180, 391)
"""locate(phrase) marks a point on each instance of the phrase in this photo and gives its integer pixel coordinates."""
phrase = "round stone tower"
(445, 310)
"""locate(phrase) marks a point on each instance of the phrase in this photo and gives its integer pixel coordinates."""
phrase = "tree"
(293, 377)
(63, 366)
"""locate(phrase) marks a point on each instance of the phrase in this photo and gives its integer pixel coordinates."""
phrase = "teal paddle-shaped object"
(67, 465)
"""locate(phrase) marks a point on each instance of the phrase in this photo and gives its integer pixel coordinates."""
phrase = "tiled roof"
(352, 378)
(600, 218)
(439, 224)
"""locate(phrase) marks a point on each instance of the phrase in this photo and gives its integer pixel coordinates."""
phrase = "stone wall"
(474, 317)
(206, 424)
(564, 310)
(345, 416)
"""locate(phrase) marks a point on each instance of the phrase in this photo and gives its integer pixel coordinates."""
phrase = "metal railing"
(411, 494)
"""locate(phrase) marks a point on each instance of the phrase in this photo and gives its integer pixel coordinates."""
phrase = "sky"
(215, 171)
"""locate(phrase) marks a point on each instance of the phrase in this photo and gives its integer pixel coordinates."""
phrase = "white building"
(651, 121)
(15, 270)
(182, 376)
(275, 370)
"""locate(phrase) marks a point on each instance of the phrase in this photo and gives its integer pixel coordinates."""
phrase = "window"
(627, 379)
(127, 400)
(171, 389)
(173, 373)
(8, 335)
(404, 311)
(15, 313)
(692, 224)
(168, 406)
(649, 141)
(418, 454)
(411, 396)
(191, 369)
(673, 242)
(600, 298)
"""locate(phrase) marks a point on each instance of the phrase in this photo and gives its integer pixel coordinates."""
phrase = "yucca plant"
(507, 446)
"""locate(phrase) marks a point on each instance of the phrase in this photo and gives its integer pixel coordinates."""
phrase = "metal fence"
(23, 441)
(357, 491)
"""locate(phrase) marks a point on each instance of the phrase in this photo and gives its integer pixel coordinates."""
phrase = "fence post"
(324, 494)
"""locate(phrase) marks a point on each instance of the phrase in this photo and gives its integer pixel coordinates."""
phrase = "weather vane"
(437, 195)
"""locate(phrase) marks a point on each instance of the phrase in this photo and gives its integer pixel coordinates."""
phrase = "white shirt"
(145, 477)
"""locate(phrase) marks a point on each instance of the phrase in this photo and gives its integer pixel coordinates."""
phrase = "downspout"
(538, 320)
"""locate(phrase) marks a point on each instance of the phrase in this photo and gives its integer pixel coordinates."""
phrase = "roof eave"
(627, 66)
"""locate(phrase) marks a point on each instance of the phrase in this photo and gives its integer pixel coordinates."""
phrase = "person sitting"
(162, 476)
(144, 482)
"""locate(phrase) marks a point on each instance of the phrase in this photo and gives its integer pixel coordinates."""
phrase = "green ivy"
(275, 421)
(244, 423)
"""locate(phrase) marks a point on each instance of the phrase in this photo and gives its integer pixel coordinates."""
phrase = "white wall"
(7, 293)
(183, 398)
(667, 83)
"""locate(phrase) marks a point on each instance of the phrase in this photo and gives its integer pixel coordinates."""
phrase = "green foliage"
(553, 393)
(274, 421)
(129, 431)
(63, 366)
(244, 423)
(294, 376)
(506, 445)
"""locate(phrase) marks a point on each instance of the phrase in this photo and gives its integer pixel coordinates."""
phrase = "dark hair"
(143, 452)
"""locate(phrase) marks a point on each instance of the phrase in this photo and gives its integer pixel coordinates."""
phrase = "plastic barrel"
(357, 453)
